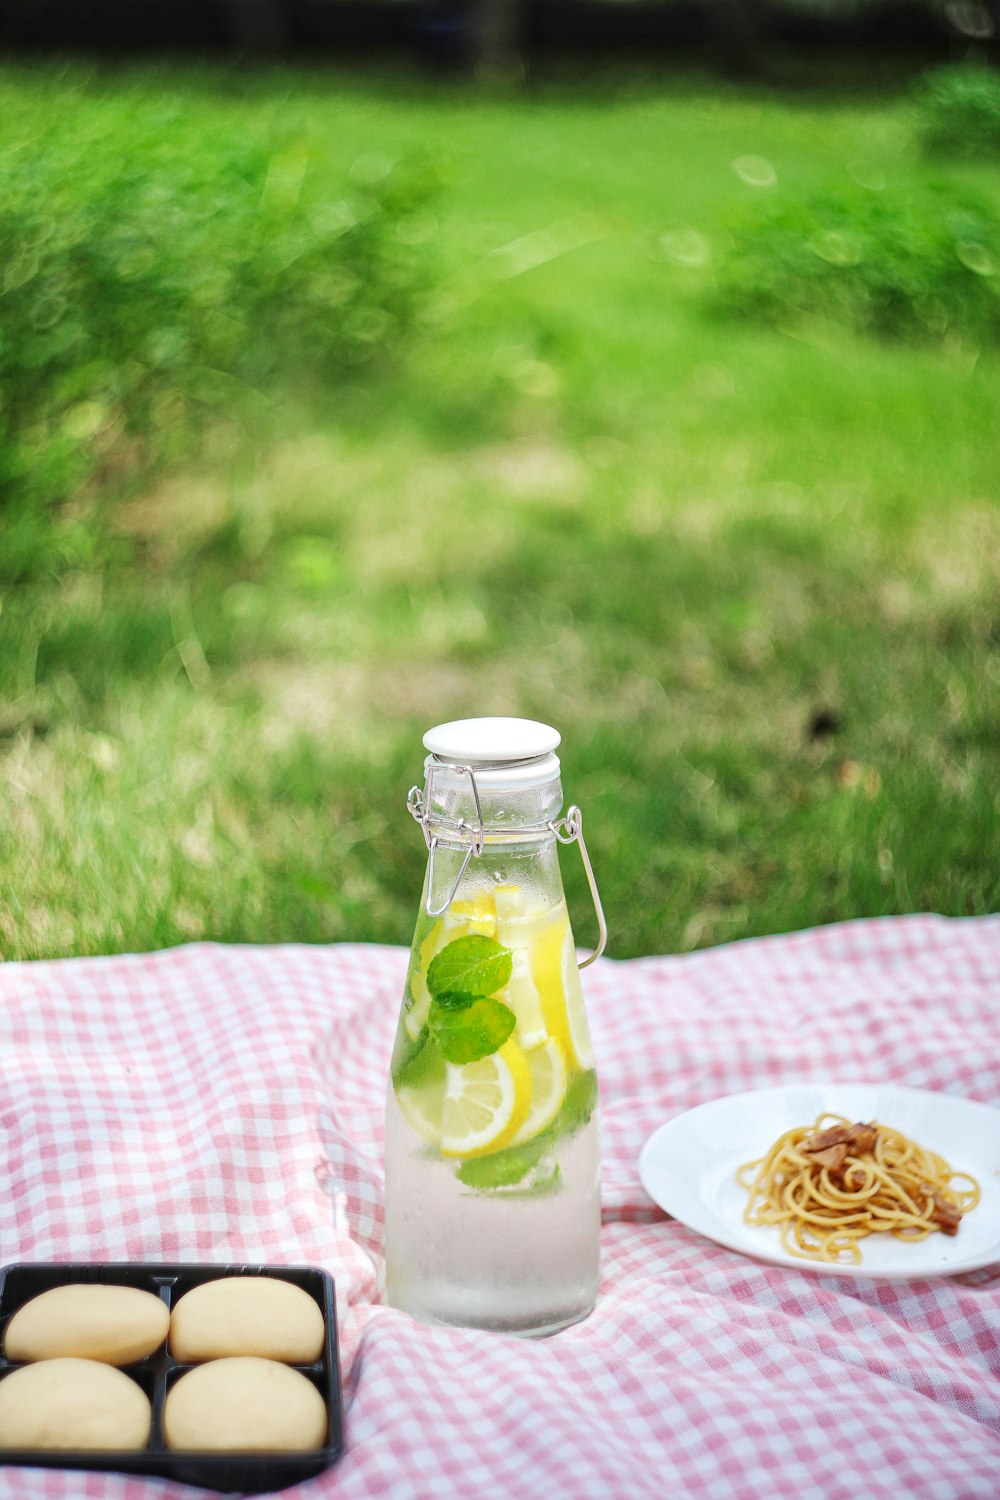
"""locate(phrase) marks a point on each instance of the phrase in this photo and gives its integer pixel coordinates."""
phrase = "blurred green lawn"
(753, 576)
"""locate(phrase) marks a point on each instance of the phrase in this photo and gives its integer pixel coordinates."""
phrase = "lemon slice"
(478, 915)
(547, 1067)
(547, 969)
(509, 903)
(557, 977)
(521, 994)
(421, 1109)
(576, 1015)
(526, 929)
(519, 918)
(485, 1103)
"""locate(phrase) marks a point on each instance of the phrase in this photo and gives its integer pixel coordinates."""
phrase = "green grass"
(579, 496)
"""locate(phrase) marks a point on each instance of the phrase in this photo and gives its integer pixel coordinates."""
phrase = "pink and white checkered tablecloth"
(213, 1103)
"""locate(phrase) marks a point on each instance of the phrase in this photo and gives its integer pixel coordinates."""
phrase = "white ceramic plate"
(688, 1167)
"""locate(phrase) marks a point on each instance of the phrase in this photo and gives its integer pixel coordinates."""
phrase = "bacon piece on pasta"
(945, 1214)
(831, 1157)
(862, 1138)
(830, 1148)
(836, 1135)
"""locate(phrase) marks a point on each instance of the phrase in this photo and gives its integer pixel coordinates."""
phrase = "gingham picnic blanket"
(225, 1103)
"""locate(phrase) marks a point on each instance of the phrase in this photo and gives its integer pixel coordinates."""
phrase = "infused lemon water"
(494, 1218)
(492, 1154)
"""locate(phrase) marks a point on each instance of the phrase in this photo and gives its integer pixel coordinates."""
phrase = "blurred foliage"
(752, 578)
(959, 110)
(155, 272)
(898, 263)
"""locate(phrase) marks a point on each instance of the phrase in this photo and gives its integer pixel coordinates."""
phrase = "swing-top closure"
(514, 772)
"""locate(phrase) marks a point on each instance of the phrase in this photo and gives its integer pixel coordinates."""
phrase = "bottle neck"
(508, 823)
(456, 874)
(455, 806)
(475, 820)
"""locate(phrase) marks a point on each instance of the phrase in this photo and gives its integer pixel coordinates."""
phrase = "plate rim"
(776, 1256)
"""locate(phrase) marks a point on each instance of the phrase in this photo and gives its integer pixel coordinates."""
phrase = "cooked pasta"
(831, 1184)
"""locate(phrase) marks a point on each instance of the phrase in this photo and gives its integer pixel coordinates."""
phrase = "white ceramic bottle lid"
(503, 752)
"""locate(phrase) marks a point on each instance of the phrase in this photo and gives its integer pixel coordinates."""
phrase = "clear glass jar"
(492, 1195)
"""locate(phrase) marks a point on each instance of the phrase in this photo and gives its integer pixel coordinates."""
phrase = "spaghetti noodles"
(831, 1184)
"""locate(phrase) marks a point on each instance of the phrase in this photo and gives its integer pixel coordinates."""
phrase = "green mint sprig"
(474, 966)
(466, 1035)
(464, 1019)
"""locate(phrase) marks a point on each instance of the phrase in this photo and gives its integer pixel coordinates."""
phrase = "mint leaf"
(542, 1185)
(509, 1170)
(454, 1000)
(503, 1168)
(473, 966)
(417, 1065)
(466, 1035)
(578, 1105)
(404, 1050)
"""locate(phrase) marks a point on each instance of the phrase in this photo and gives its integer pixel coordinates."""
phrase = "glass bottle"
(492, 1193)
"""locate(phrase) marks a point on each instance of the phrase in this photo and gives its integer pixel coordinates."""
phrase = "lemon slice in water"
(576, 1015)
(547, 1067)
(477, 915)
(510, 905)
(521, 994)
(421, 1109)
(557, 976)
(485, 1103)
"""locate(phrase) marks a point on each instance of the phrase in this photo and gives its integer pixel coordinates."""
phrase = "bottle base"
(539, 1327)
(551, 1328)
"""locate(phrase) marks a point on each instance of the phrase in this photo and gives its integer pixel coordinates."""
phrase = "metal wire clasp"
(475, 832)
(568, 830)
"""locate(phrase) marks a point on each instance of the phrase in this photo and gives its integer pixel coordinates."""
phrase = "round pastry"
(261, 1316)
(244, 1406)
(73, 1404)
(113, 1324)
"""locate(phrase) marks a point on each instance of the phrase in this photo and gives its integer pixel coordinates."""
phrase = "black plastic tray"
(249, 1473)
